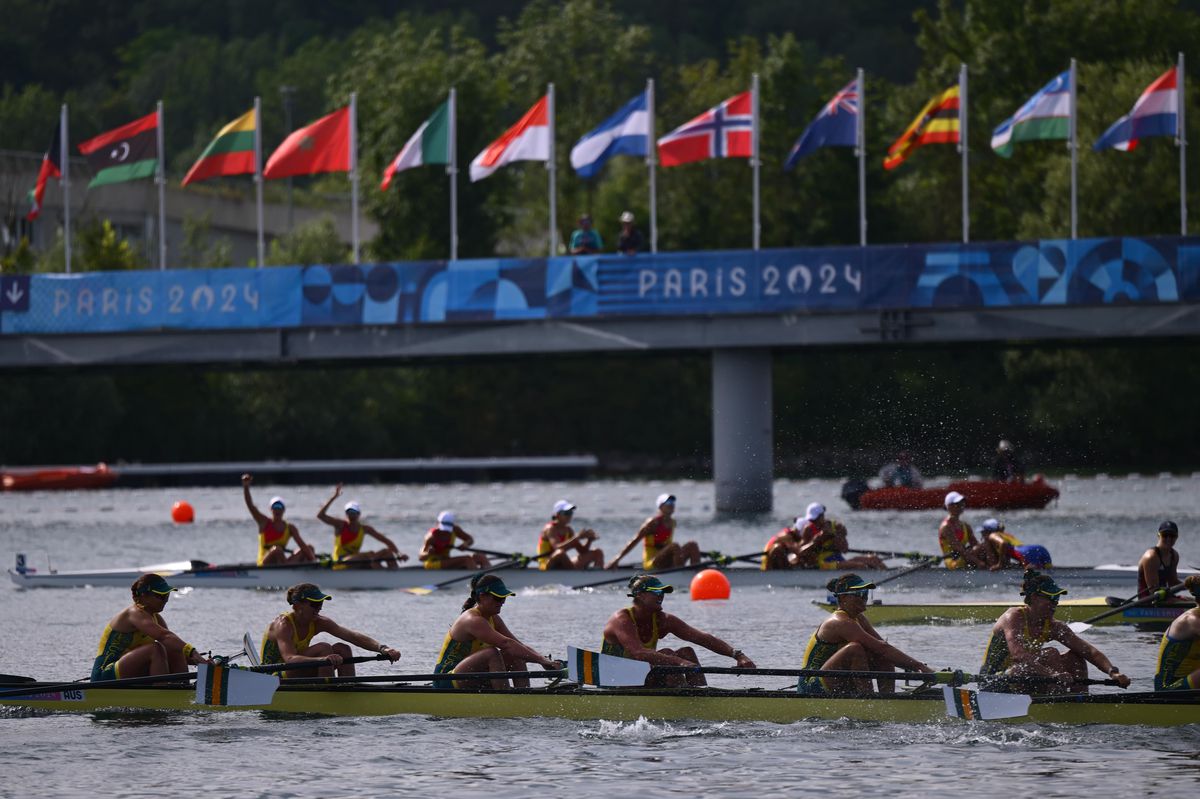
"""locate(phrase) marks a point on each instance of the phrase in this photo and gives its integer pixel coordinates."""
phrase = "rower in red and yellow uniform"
(960, 549)
(1179, 651)
(1010, 550)
(558, 538)
(1018, 648)
(657, 534)
(348, 537)
(439, 541)
(480, 641)
(783, 550)
(137, 643)
(823, 543)
(288, 639)
(274, 533)
(634, 632)
(846, 641)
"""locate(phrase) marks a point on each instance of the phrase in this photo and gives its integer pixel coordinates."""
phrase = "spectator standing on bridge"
(585, 241)
(274, 533)
(630, 240)
(1007, 467)
(901, 472)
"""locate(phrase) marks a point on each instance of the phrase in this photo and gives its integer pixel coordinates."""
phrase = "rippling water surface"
(52, 634)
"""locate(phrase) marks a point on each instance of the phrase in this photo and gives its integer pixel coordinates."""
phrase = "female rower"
(823, 544)
(1158, 567)
(558, 538)
(284, 643)
(1179, 651)
(137, 643)
(274, 533)
(349, 535)
(782, 550)
(1010, 550)
(480, 641)
(960, 548)
(435, 551)
(660, 551)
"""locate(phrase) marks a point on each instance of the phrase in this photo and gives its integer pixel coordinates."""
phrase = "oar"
(506, 555)
(518, 562)
(314, 663)
(555, 674)
(887, 554)
(715, 559)
(925, 564)
(1162, 593)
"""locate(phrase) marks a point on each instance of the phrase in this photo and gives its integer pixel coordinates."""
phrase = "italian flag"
(429, 145)
(230, 153)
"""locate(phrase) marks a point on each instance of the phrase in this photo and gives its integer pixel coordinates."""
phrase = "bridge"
(738, 305)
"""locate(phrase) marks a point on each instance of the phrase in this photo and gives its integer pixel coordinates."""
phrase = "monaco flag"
(724, 131)
(528, 140)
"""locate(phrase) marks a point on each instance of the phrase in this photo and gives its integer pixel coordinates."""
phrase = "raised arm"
(258, 515)
(681, 629)
(323, 513)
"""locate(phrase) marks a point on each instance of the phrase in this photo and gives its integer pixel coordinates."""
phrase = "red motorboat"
(61, 478)
(1036, 493)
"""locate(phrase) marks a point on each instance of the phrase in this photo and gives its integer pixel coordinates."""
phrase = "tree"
(316, 242)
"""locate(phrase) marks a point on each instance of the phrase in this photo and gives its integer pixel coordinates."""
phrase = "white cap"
(627, 216)
(562, 506)
(990, 526)
(353, 507)
(664, 499)
(798, 521)
(1004, 446)
(954, 498)
(446, 520)
(814, 511)
(277, 499)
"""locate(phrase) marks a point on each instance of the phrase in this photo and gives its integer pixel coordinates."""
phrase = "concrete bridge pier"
(743, 442)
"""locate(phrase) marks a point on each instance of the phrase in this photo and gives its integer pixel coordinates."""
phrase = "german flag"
(936, 124)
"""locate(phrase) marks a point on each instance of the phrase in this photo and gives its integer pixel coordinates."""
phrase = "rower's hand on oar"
(743, 662)
(1119, 678)
(391, 654)
(550, 664)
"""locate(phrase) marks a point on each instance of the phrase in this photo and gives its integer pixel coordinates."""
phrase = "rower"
(349, 535)
(1179, 651)
(823, 542)
(137, 643)
(634, 632)
(283, 641)
(847, 641)
(558, 538)
(480, 641)
(959, 546)
(435, 551)
(274, 533)
(1157, 570)
(1018, 645)
(782, 550)
(660, 551)
(1010, 550)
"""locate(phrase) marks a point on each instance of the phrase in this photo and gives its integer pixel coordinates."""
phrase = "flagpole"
(258, 179)
(754, 161)
(550, 167)
(962, 148)
(1182, 138)
(162, 193)
(452, 171)
(1073, 146)
(860, 142)
(64, 158)
(354, 174)
(651, 163)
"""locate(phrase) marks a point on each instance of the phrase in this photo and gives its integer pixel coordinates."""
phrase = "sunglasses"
(861, 592)
(316, 604)
(497, 597)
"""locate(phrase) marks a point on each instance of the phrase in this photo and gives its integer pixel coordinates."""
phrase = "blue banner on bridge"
(1087, 272)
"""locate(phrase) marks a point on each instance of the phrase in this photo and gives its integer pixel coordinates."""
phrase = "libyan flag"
(231, 153)
(323, 146)
(429, 145)
(129, 152)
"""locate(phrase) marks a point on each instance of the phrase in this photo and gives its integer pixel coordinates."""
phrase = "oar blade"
(233, 687)
(1079, 627)
(965, 703)
(250, 650)
(420, 590)
(592, 668)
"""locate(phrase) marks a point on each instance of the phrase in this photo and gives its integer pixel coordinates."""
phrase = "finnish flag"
(626, 132)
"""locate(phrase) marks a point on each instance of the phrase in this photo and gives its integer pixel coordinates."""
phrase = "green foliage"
(199, 249)
(315, 242)
(21, 260)
(101, 249)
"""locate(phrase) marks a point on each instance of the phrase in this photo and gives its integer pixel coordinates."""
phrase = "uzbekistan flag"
(528, 140)
(723, 131)
(231, 153)
(429, 145)
(1046, 115)
(50, 169)
(626, 132)
(1156, 113)
(129, 152)
(936, 124)
(323, 146)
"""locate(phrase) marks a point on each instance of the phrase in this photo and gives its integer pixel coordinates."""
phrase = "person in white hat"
(558, 538)
(274, 534)
(435, 551)
(960, 548)
(1007, 467)
(630, 240)
(823, 543)
(657, 534)
(349, 534)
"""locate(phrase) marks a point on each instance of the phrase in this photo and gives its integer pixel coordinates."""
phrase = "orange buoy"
(709, 584)
(182, 513)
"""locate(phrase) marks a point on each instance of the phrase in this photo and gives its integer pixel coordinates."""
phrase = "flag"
(723, 131)
(51, 168)
(323, 146)
(528, 140)
(429, 145)
(1046, 115)
(936, 124)
(835, 126)
(1156, 113)
(128, 153)
(626, 132)
(231, 153)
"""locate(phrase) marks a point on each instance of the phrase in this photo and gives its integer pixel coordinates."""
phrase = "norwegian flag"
(724, 131)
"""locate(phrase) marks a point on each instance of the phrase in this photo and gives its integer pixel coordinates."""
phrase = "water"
(53, 634)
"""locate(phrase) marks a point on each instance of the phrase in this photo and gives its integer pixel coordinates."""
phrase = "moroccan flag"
(429, 145)
(323, 146)
(231, 153)
(50, 169)
(128, 153)
(936, 124)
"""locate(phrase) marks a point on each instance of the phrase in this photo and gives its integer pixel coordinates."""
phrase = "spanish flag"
(936, 124)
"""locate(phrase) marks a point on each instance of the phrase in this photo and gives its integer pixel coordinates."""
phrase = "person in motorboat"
(440, 540)
(660, 550)
(1009, 549)
(480, 641)
(634, 632)
(137, 643)
(823, 543)
(274, 533)
(1018, 645)
(558, 538)
(288, 639)
(350, 533)
(846, 641)
(1007, 467)
(960, 548)
(1179, 651)
(1158, 568)
(901, 473)
(783, 550)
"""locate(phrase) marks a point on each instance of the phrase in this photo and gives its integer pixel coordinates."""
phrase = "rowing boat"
(1035, 494)
(1149, 618)
(63, 478)
(578, 703)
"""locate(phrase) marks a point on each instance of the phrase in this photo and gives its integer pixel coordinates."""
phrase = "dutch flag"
(1156, 113)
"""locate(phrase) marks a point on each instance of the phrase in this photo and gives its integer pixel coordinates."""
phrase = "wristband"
(1113, 670)
(737, 653)
(188, 649)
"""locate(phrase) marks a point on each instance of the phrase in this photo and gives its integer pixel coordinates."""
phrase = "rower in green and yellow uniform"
(846, 641)
(480, 641)
(288, 639)
(137, 643)
(274, 534)
(634, 632)
(349, 535)
(657, 534)
(1018, 646)
(1179, 652)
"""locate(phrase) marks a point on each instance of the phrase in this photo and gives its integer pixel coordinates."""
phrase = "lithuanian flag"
(936, 124)
(231, 153)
